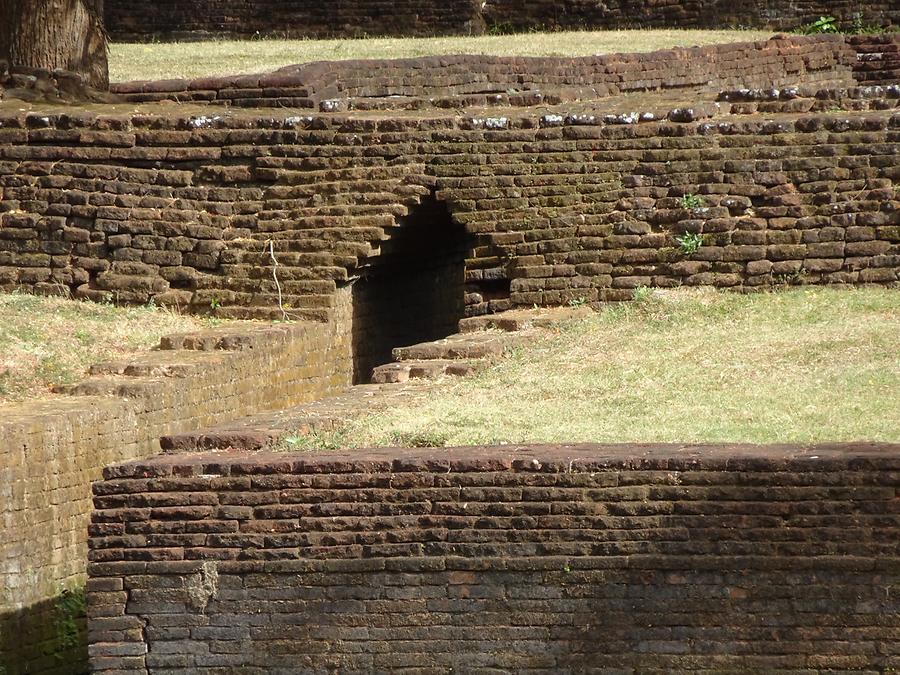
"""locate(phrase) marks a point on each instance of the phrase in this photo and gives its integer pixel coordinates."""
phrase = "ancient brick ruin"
(544, 560)
(378, 204)
(548, 194)
(53, 449)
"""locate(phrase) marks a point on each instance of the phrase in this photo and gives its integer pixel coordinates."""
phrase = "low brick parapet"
(550, 559)
(465, 80)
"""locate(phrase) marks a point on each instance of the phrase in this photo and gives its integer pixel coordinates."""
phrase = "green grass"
(810, 365)
(51, 341)
(225, 57)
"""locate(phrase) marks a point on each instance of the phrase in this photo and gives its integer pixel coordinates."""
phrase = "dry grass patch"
(809, 365)
(50, 341)
(154, 61)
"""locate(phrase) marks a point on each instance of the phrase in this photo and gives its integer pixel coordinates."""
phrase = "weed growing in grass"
(83, 336)
(829, 24)
(317, 440)
(689, 242)
(419, 439)
(504, 28)
(858, 27)
(641, 294)
(824, 24)
(690, 201)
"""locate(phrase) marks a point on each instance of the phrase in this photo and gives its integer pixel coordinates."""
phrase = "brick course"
(527, 559)
(877, 58)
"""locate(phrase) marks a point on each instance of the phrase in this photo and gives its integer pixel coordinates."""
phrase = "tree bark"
(56, 34)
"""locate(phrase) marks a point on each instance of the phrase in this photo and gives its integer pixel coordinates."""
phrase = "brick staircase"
(416, 371)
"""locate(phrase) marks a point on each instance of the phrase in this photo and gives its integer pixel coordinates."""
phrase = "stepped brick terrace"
(379, 205)
(579, 199)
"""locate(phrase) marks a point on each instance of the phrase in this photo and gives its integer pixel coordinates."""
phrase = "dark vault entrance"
(414, 291)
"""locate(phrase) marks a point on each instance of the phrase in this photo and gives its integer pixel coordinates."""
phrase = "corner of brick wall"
(51, 451)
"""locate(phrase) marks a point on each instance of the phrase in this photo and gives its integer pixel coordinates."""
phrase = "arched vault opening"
(414, 290)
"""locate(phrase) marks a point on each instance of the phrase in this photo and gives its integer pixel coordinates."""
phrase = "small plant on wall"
(690, 201)
(689, 242)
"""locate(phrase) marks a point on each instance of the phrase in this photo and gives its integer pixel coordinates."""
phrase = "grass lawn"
(155, 61)
(49, 341)
(800, 366)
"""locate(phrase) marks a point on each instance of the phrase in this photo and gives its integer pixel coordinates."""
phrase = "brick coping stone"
(527, 458)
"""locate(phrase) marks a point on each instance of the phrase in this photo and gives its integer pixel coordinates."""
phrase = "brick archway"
(414, 290)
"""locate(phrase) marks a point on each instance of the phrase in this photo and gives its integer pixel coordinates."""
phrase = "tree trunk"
(56, 34)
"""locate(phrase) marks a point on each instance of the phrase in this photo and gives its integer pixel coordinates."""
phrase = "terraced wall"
(169, 19)
(460, 81)
(147, 19)
(717, 14)
(546, 187)
(529, 559)
(192, 210)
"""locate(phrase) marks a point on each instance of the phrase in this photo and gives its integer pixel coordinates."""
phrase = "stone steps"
(479, 345)
(170, 363)
(180, 355)
(480, 339)
(402, 371)
(519, 320)
(417, 371)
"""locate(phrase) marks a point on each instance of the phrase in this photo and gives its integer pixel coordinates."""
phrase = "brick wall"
(304, 18)
(183, 210)
(772, 14)
(51, 451)
(457, 81)
(528, 559)
(877, 60)
(289, 18)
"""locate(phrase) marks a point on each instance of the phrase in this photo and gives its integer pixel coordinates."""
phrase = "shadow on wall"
(413, 291)
(48, 637)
